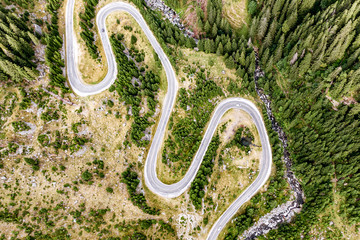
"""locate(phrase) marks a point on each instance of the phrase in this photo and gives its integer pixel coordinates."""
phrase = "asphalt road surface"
(151, 179)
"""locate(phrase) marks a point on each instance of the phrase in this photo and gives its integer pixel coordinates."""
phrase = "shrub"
(133, 39)
(86, 176)
(20, 126)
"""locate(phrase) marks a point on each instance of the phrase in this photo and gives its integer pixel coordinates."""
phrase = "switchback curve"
(151, 179)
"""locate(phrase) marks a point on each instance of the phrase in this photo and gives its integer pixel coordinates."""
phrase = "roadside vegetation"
(57, 150)
(130, 178)
(59, 176)
(16, 49)
(87, 25)
(134, 85)
(311, 74)
(54, 44)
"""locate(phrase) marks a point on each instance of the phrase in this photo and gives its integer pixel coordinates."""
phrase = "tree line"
(309, 51)
(186, 133)
(197, 192)
(54, 44)
(130, 178)
(87, 26)
(16, 51)
(133, 84)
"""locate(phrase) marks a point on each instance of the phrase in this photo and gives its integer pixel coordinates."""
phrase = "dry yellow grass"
(91, 70)
(235, 11)
(109, 133)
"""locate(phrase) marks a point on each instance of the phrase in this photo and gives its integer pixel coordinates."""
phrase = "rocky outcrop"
(170, 14)
(286, 211)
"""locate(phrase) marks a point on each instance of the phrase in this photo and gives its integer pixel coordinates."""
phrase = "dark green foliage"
(109, 190)
(130, 178)
(99, 163)
(26, 4)
(86, 175)
(110, 103)
(34, 163)
(252, 7)
(187, 132)
(146, 224)
(242, 139)
(50, 115)
(54, 44)
(313, 63)
(65, 143)
(12, 147)
(87, 26)
(164, 31)
(147, 84)
(44, 140)
(20, 126)
(201, 180)
(133, 39)
(16, 51)
(262, 203)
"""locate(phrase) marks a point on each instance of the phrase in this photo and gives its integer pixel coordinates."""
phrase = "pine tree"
(201, 45)
(209, 46)
(253, 27)
(356, 42)
(242, 59)
(12, 70)
(200, 25)
(207, 27)
(269, 64)
(265, 57)
(188, 43)
(263, 24)
(290, 22)
(214, 31)
(220, 49)
(240, 72)
(305, 64)
(341, 42)
(237, 56)
(217, 40)
(228, 47)
(279, 49)
(234, 46)
(277, 8)
(33, 38)
(271, 33)
(211, 15)
(306, 5)
(218, 18)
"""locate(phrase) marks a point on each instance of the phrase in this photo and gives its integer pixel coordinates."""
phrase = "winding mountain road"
(151, 179)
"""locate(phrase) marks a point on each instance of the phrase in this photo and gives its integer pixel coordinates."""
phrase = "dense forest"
(134, 84)
(87, 25)
(309, 51)
(311, 57)
(16, 48)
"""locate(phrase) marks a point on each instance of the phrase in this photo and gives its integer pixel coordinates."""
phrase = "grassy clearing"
(236, 12)
(91, 70)
(107, 133)
(115, 24)
(337, 227)
(236, 172)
